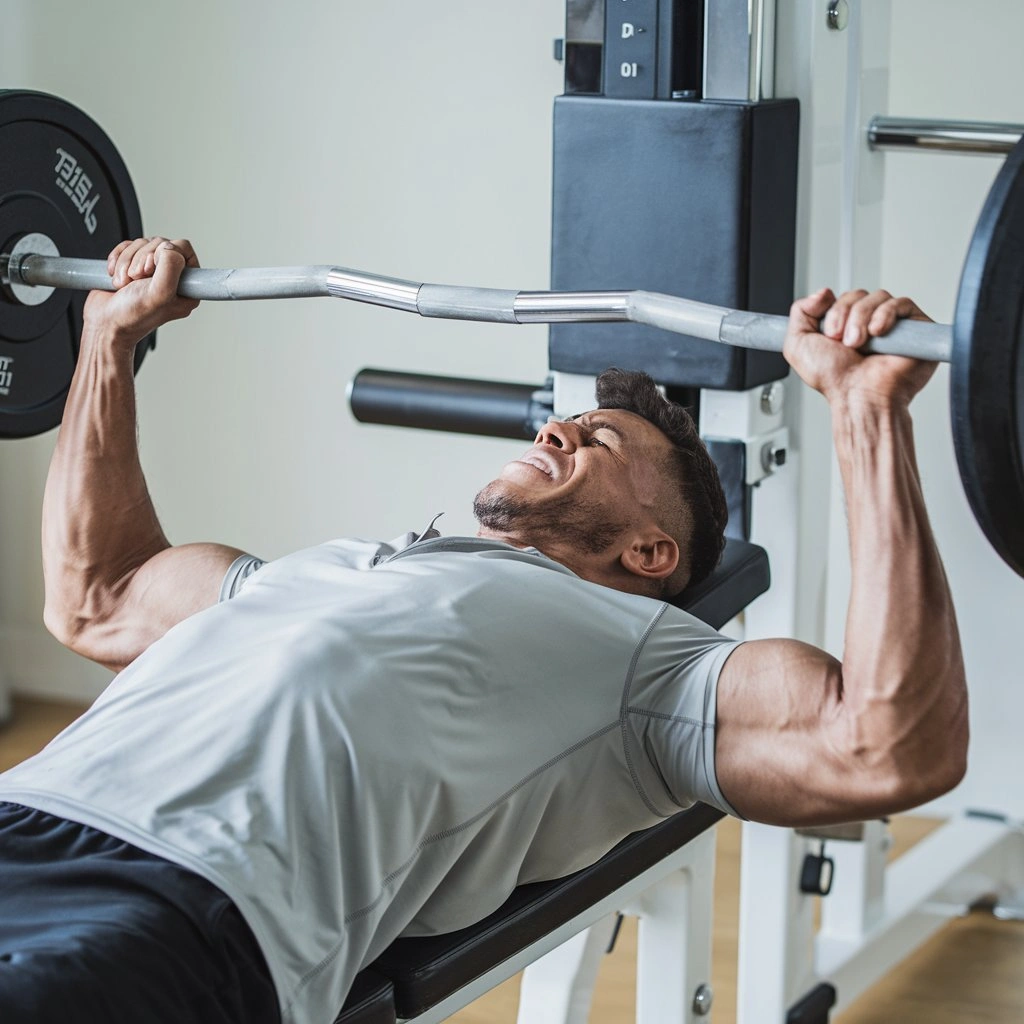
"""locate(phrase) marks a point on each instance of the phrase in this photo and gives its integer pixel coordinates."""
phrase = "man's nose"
(560, 434)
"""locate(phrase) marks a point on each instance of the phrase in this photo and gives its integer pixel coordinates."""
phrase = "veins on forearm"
(99, 521)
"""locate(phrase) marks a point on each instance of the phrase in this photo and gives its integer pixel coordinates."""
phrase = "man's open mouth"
(532, 459)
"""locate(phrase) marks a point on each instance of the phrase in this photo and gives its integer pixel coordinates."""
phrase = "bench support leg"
(559, 987)
(673, 951)
(674, 940)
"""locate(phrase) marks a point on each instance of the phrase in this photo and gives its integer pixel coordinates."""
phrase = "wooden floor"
(972, 971)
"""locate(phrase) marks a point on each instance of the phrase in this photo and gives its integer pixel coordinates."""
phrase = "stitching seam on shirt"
(624, 712)
(455, 829)
(446, 833)
(685, 719)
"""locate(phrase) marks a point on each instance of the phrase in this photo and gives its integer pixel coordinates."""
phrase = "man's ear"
(652, 556)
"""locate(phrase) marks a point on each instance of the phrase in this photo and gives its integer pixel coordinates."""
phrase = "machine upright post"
(739, 50)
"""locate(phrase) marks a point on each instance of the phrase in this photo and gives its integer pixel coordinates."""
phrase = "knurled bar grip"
(453, 302)
(247, 283)
(915, 339)
(910, 338)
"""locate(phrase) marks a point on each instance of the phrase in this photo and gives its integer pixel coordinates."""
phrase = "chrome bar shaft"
(570, 307)
(381, 291)
(949, 136)
(459, 302)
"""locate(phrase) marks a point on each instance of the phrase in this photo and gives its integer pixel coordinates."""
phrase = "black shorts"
(96, 931)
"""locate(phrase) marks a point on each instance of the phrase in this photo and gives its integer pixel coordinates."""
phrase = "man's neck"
(604, 569)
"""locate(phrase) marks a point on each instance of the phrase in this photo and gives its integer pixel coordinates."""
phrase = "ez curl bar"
(33, 270)
(39, 221)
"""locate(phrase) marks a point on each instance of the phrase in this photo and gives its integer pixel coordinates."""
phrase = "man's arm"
(801, 737)
(113, 582)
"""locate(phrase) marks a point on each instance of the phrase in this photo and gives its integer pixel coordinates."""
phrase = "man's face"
(584, 481)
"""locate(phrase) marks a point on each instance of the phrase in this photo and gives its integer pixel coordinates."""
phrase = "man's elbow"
(62, 626)
(947, 763)
(913, 782)
(92, 639)
(949, 770)
(937, 780)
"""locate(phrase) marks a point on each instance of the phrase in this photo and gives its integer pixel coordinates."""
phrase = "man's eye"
(594, 440)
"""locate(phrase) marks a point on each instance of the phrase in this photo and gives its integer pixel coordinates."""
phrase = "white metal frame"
(877, 912)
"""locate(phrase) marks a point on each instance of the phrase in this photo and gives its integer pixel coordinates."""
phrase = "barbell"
(64, 189)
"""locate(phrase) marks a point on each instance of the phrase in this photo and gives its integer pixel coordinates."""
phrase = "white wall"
(951, 60)
(403, 138)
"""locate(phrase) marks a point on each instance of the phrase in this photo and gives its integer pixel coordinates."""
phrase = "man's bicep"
(778, 720)
(165, 590)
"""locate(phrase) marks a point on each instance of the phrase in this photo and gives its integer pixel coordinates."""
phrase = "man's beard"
(583, 525)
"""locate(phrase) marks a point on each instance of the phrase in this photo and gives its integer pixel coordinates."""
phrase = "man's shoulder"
(344, 552)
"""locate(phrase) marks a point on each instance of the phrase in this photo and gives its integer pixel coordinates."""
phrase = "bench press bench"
(428, 979)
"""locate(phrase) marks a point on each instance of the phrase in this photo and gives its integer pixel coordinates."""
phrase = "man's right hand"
(146, 272)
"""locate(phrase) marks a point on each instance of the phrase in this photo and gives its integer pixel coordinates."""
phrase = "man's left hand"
(825, 334)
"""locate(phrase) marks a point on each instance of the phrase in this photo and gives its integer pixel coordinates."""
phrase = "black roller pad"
(62, 176)
(987, 370)
(690, 199)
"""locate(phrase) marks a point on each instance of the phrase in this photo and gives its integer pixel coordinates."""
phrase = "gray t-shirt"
(380, 739)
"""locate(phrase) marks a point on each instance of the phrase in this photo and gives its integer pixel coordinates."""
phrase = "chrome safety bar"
(948, 136)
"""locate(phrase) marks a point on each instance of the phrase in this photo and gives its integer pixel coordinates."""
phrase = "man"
(302, 760)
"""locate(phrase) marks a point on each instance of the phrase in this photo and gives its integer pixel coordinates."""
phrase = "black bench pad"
(371, 1000)
(742, 575)
(426, 970)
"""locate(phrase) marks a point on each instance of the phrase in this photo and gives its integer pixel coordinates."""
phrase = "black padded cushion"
(426, 970)
(371, 1000)
(740, 576)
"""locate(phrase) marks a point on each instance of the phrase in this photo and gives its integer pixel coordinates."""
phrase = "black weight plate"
(60, 175)
(987, 372)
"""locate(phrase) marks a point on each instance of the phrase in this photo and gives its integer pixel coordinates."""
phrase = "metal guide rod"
(949, 136)
(496, 305)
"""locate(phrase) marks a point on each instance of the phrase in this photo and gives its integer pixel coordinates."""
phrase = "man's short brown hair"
(695, 509)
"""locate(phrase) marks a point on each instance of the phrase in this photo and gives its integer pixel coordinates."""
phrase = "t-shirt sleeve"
(672, 709)
(239, 571)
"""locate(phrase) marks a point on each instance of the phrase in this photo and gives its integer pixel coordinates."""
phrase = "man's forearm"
(904, 693)
(99, 523)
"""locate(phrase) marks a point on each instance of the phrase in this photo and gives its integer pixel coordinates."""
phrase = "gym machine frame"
(877, 912)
